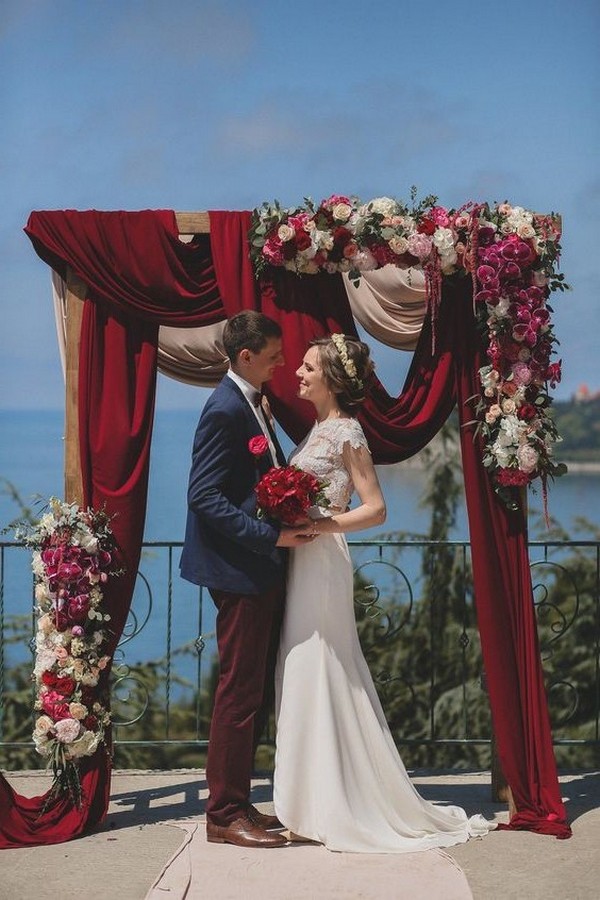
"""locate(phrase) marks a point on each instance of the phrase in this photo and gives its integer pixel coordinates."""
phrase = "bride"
(338, 777)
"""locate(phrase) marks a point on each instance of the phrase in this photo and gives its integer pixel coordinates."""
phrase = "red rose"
(302, 240)
(426, 226)
(258, 445)
(286, 493)
(65, 686)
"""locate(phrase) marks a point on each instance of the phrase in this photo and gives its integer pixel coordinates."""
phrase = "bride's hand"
(295, 535)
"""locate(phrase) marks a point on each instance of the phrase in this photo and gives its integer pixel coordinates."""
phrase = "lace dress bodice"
(321, 453)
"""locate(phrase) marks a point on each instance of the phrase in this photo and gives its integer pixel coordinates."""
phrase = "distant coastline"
(582, 468)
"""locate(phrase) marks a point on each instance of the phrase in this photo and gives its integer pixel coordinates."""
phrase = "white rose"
(341, 212)
(285, 233)
(78, 710)
(398, 245)
(42, 725)
(525, 230)
(508, 406)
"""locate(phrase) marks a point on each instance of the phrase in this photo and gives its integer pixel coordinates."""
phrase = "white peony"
(383, 205)
(322, 240)
(502, 454)
(443, 239)
(44, 662)
(364, 260)
(88, 541)
(84, 745)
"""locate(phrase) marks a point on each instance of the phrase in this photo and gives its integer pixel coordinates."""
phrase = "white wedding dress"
(338, 777)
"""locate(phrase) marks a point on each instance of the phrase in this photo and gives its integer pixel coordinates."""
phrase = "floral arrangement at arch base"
(74, 554)
(511, 256)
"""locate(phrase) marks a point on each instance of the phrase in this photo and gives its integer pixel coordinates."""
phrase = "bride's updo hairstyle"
(347, 367)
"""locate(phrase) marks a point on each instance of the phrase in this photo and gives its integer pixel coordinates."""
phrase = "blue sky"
(200, 105)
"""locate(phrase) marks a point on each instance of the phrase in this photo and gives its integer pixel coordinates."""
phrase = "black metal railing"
(416, 619)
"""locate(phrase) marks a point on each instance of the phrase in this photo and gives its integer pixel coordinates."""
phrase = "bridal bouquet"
(286, 493)
(74, 554)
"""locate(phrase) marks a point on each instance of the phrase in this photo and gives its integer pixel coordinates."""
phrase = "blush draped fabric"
(139, 276)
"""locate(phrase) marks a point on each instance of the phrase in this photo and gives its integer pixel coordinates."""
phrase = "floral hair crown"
(348, 364)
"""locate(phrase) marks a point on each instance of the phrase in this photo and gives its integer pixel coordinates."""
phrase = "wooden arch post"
(188, 223)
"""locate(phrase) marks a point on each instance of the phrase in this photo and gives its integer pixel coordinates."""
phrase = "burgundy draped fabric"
(506, 615)
(133, 260)
(140, 275)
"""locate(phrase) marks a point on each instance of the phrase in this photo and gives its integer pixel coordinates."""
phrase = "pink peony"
(522, 373)
(419, 245)
(67, 730)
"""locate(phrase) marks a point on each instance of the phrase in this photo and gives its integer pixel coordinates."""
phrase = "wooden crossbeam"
(193, 222)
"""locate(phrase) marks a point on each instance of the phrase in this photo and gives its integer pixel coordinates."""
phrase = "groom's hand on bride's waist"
(294, 535)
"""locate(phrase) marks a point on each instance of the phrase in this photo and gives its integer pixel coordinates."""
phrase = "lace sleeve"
(349, 431)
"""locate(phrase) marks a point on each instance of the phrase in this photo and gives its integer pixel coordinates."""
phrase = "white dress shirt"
(249, 392)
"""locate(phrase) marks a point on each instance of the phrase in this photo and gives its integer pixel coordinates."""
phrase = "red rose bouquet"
(287, 493)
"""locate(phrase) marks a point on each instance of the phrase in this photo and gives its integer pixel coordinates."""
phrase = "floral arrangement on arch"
(510, 253)
(74, 554)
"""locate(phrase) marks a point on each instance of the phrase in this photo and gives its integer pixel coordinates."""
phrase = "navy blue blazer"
(226, 547)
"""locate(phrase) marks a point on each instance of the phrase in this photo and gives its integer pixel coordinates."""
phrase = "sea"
(31, 464)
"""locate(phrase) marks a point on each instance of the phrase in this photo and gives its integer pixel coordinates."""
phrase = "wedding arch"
(137, 298)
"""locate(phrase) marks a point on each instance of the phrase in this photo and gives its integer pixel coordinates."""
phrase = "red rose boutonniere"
(258, 445)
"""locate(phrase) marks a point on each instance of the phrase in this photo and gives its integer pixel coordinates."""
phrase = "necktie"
(257, 403)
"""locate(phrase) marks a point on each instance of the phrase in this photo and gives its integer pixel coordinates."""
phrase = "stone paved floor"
(124, 857)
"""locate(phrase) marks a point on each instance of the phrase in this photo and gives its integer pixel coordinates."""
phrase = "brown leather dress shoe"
(243, 833)
(263, 819)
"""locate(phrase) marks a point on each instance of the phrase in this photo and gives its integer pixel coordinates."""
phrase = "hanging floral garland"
(511, 255)
(73, 557)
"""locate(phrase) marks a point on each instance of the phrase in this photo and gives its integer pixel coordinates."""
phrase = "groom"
(239, 559)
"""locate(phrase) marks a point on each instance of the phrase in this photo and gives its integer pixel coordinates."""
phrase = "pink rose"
(440, 216)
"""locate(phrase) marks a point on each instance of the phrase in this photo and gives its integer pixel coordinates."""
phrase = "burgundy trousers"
(247, 635)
